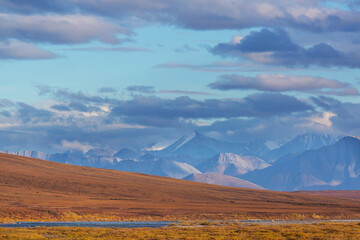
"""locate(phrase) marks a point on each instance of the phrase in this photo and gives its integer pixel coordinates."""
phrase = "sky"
(82, 74)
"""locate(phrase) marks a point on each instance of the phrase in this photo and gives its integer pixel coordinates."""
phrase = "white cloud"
(76, 145)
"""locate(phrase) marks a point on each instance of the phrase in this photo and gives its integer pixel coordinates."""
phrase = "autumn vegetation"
(235, 231)
(32, 189)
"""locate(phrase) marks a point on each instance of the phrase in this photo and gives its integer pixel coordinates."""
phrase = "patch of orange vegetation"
(38, 189)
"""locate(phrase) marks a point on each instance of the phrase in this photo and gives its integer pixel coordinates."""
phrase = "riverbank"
(233, 231)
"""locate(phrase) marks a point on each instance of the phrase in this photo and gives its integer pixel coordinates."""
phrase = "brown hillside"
(345, 194)
(37, 189)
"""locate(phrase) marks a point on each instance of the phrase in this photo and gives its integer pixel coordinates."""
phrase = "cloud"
(256, 105)
(107, 90)
(4, 103)
(66, 95)
(346, 115)
(113, 49)
(276, 48)
(50, 138)
(59, 29)
(151, 89)
(272, 128)
(34, 6)
(28, 113)
(283, 83)
(79, 119)
(13, 49)
(312, 15)
(185, 49)
(76, 145)
(221, 66)
(227, 14)
(141, 89)
(183, 92)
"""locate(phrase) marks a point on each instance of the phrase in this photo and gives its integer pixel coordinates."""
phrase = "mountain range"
(335, 167)
(306, 162)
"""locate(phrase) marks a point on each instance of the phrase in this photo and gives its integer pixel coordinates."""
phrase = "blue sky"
(119, 73)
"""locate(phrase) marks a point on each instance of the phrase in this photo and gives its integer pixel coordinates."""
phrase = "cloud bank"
(275, 47)
(284, 83)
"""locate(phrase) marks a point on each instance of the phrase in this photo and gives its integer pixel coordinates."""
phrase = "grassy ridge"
(32, 189)
(315, 231)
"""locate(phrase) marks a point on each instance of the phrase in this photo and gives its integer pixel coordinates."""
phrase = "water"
(87, 224)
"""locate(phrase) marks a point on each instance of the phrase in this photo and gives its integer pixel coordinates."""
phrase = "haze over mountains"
(306, 162)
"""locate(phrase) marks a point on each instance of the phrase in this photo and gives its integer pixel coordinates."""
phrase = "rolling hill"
(40, 190)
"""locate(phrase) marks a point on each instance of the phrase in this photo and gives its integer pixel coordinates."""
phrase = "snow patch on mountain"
(232, 164)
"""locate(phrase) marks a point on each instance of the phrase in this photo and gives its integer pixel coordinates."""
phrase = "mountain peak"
(350, 139)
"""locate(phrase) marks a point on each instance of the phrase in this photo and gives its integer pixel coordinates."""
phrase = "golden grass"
(32, 189)
(314, 231)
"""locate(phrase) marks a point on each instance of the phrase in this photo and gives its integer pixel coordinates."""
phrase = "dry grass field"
(315, 231)
(32, 189)
(344, 194)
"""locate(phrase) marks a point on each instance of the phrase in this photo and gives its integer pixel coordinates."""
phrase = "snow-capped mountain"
(232, 164)
(332, 167)
(199, 146)
(196, 148)
(32, 154)
(220, 179)
(127, 153)
(161, 166)
(81, 159)
(302, 143)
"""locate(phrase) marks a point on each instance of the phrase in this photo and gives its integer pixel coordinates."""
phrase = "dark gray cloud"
(283, 83)
(346, 114)
(273, 128)
(141, 89)
(256, 105)
(77, 117)
(265, 41)
(4, 103)
(34, 6)
(275, 47)
(312, 15)
(69, 96)
(28, 113)
(183, 92)
(61, 107)
(151, 89)
(76, 106)
(83, 21)
(107, 90)
(49, 138)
